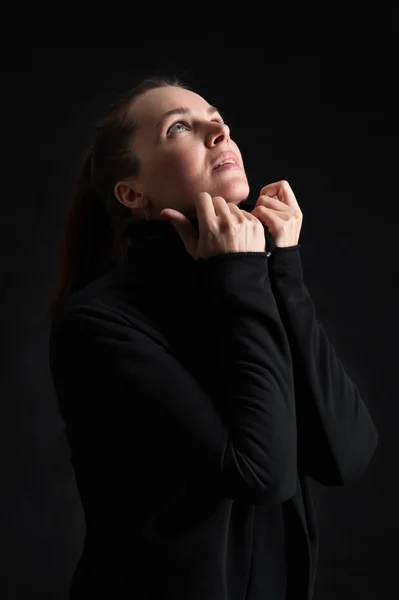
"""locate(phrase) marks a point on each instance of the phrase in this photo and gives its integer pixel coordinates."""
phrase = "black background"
(310, 97)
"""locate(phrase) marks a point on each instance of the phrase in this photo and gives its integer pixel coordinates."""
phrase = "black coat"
(198, 398)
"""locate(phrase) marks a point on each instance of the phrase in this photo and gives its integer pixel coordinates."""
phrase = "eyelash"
(185, 123)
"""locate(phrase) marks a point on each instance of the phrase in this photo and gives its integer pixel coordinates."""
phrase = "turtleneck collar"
(159, 238)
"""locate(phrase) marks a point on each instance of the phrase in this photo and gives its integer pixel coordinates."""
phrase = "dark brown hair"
(93, 239)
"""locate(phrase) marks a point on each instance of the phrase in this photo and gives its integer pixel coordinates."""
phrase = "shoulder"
(107, 297)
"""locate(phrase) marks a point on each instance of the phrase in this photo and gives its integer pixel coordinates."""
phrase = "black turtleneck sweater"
(198, 398)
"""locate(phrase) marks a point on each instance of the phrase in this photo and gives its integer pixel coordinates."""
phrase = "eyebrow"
(183, 110)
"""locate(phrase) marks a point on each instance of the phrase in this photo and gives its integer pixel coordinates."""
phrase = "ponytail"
(86, 242)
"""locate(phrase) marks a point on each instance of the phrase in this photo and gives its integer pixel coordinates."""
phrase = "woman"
(173, 368)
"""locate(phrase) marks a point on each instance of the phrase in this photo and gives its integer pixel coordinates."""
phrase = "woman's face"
(176, 153)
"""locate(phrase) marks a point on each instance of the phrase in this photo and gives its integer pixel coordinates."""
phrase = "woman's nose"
(219, 133)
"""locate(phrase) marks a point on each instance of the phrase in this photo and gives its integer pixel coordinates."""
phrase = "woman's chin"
(233, 191)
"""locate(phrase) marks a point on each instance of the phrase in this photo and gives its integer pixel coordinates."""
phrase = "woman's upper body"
(198, 396)
(181, 426)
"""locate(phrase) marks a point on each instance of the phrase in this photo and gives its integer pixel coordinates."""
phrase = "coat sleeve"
(125, 396)
(336, 435)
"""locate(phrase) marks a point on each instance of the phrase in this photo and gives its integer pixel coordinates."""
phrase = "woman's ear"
(129, 194)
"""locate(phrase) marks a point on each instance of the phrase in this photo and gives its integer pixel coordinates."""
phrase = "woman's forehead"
(154, 103)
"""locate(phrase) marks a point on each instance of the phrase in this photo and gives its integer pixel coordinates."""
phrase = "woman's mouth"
(225, 166)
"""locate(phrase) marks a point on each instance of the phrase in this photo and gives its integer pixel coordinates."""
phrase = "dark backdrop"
(311, 98)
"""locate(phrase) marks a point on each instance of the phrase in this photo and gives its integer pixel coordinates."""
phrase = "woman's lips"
(227, 167)
(227, 155)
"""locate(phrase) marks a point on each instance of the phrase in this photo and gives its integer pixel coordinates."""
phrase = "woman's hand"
(279, 210)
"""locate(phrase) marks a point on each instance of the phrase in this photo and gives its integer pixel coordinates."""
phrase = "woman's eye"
(184, 124)
(174, 125)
